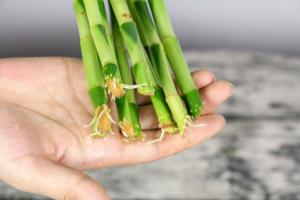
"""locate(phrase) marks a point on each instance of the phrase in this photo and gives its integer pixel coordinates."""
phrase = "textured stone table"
(257, 156)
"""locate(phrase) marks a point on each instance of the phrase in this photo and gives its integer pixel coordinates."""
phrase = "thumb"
(45, 177)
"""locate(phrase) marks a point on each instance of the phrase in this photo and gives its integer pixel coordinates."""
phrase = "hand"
(44, 145)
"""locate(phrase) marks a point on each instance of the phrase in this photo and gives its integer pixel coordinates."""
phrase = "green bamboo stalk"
(162, 111)
(104, 19)
(158, 99)
(130, 124)
(176, 57)
(127, 110)
(160, 106)
(132, 42)
(95, 79)
(155, 50)
(102, 37)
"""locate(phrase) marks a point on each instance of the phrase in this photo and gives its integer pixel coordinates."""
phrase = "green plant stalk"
(102, 37)
(106, 24)
(160, 106)
(132, 42)
(155, 50)
(92, 65)
(176, 57)
(127, 110)
(158, 99)
(162, 111)
(130, 107)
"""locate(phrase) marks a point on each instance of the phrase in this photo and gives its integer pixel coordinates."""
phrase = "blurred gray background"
(41, 28)
(253, 43)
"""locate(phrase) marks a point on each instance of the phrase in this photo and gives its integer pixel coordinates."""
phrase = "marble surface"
(257, 155)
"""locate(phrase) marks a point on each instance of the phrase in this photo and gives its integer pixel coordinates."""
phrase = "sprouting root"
(116, 89)
(102, 122)
(170, 129)
(132, 87)
(191, 123)
(128, 132)
(162, 135)
(127, 129)
(164, 130)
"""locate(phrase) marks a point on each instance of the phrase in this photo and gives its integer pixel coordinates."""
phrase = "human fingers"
(48, 178)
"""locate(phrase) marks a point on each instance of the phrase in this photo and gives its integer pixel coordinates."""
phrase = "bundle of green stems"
(135, 52)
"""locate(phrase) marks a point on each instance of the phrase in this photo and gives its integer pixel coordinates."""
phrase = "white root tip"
(109, 116)
(195, 125)
(123, 132)
(132, 87)
(162, 135)
(98, 121)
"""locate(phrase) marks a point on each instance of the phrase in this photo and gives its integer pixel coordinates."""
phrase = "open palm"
(44, 106)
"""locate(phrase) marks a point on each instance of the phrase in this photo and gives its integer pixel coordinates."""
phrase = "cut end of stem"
(114, 87)
(128, 131)
(194, 103)
(102, 122)
(169, 128)
(178, 110)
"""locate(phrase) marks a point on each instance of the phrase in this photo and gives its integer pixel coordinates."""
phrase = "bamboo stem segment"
(176, 57)
(103, 40)
(132, 42)
(96, 85)
(130, 125)
(158, 59)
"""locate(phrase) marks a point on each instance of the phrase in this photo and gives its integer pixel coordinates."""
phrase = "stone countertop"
(257, 155)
